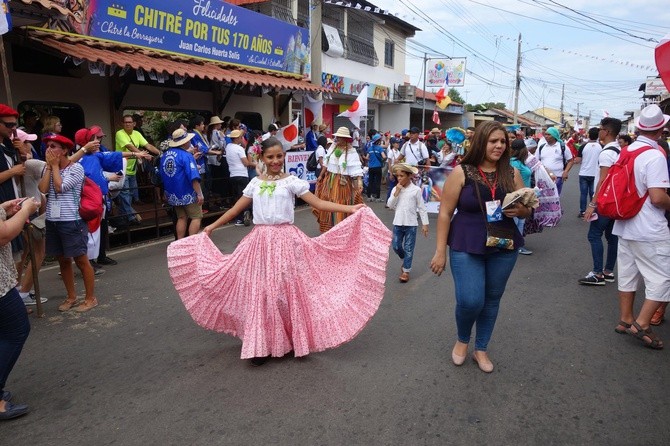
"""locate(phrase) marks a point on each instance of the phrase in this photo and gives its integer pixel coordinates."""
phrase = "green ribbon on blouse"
(268, 187)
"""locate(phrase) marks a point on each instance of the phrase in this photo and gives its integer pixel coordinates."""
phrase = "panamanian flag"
(5, 18)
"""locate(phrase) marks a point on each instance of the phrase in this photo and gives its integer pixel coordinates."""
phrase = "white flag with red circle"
(662, 55)
(288, 135)
(359, 109)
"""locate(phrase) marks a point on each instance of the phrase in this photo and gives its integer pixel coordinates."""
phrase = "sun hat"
(376, 137)
(553, 132)
(23, 136)
(60, 139)
(651, 118)
(435, 130)
(322, 127)
(235, 134)
(343, 132)
(214, 120)
(180, 137)
(405, 168)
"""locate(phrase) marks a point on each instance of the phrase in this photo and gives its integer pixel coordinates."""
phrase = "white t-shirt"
(590, 153)
(552, 158)
(234, 155)
(320, 153)
(606, 158)
(414, 152)
(392, 156)
(651, 170)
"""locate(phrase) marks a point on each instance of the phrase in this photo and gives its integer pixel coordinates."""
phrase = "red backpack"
(618, 198)
(91, 204)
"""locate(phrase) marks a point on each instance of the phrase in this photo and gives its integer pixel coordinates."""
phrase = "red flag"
(436, 117)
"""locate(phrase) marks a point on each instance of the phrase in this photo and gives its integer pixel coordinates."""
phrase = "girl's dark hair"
(171, 127)
(234, 123)
(322, 141)
(477, 153)
(519, 150)
(196, 120)
(270, 142)
(626, 138)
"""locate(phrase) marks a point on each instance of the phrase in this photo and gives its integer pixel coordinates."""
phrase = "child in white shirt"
(406, 200)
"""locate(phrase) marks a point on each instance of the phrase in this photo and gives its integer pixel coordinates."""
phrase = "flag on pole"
(436, 117)
(442, 98)
(5, 18)
(605, 114)
(288, 135)
(662, 56)
(313, 111)
(359, 109)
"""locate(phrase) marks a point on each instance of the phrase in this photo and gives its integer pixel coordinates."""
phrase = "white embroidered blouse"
(274, 201)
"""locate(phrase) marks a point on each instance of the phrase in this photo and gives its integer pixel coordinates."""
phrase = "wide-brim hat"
(343, 132)
(405, 168)
(235, 133)
(215, 120)
(651, 118)
(60, 139)
(180, 137)
(322, 127)
(436, 130)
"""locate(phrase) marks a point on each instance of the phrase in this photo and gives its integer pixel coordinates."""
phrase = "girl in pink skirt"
(281, 291)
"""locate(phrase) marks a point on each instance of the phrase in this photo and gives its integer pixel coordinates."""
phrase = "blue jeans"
(585, 190)
(520, 224)
(14, 330)
(126, 197)
(404, 239)
(559, 185)
(595, 237)
(480, 282)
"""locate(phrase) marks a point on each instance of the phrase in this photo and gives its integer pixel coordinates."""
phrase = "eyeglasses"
(128, 122)
(9, 125)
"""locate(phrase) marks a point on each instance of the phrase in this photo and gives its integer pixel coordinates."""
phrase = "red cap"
(95, 130)
(6, 110)
(60, 139)
(81, 137)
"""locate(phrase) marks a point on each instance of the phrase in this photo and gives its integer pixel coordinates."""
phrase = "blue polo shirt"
(200, 143)
(178, 170)
(375, 153)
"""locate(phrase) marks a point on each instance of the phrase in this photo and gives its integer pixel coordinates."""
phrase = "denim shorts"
(66, 238)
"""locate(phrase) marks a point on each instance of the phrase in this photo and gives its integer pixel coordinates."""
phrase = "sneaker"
(525, 252)
(29, 299)
(246, 219)
(107, 261)
(239, 223)
(97, 270)
(580, 215)
(592, 279)
(609, 277)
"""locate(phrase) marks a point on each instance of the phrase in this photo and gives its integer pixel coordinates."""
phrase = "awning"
(110, 53)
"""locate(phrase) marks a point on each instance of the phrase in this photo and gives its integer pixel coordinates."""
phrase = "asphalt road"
(138, 371)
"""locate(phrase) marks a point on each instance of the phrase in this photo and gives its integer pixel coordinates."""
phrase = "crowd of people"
(264, 292)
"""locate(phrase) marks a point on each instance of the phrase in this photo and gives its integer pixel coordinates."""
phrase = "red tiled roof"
(94, 50)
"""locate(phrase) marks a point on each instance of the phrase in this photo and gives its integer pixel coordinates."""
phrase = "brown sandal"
(404, 277)
(67, 305)
(654, 341)
(623, 324)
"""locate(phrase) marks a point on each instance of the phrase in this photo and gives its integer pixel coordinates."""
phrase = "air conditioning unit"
(406, 93)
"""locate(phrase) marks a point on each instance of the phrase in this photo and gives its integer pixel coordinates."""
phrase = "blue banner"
(207, 29)
(5, 18)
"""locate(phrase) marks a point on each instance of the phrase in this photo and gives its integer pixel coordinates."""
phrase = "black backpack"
(312, 162)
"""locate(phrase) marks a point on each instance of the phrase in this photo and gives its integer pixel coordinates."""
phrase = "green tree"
(455, 96)
(485, 106)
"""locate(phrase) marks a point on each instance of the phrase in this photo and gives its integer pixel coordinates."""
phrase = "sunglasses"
(9, 125)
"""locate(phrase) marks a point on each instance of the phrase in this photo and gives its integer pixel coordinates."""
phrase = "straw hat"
(436, 130)
(405, 168)
(180, 137)
(343, 132)
(215, 120)
(322, 128)
(235, 134)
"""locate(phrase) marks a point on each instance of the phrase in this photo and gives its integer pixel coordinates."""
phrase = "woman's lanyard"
(491, 187)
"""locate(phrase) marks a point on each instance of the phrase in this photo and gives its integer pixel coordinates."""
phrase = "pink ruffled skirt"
(281, 290)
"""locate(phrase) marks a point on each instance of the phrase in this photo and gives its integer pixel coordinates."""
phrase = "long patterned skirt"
(336, 188)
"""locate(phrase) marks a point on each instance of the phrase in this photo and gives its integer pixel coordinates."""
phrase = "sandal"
(404, 277)
(654, 341)
(67, 305)
(623, 324)
(86, 305)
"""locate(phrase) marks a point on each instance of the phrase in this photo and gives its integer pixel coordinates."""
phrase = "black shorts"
(66, 238)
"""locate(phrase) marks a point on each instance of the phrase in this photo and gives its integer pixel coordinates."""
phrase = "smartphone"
(512, 203)
(593, 217)
(22, 200)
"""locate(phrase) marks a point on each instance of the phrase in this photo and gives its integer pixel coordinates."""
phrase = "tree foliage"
(455, 96)
(485, 106)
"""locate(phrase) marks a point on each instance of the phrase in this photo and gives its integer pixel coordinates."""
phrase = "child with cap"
(406, 200)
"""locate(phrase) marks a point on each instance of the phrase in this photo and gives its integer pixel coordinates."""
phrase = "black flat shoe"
(259, 361)
(107, 261)
(13, 411)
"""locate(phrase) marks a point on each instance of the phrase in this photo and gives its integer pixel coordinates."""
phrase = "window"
(389, 53)
(359, 40)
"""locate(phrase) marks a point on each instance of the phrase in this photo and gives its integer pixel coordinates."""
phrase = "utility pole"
(517, 83)
(423, 107)
(577, 120)
(562, 98)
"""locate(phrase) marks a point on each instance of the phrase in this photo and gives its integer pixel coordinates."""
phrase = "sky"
(601, 50)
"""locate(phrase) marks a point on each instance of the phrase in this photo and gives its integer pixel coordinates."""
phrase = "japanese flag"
(313, 111)
(359, 109)
(288, 135)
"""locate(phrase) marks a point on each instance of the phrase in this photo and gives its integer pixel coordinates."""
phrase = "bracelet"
(592, 205)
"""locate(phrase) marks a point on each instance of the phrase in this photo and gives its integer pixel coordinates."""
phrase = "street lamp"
(518, 76)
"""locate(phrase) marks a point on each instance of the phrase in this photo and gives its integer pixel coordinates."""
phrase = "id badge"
(55, 210)
(493, 211)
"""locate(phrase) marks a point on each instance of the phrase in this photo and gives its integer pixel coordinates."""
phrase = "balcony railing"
(361, 51)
